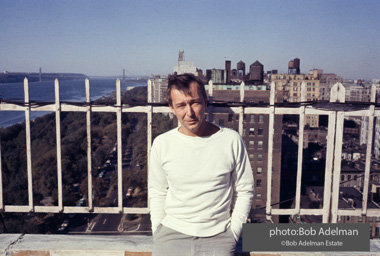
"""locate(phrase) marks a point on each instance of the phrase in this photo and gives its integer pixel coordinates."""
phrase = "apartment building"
(159, 88)
(290, 85)
(355, 92)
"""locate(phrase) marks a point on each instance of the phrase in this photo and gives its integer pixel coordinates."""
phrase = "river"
(70, 90)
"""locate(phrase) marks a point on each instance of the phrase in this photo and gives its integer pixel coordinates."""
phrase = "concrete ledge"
(83, 245)
(102, 245)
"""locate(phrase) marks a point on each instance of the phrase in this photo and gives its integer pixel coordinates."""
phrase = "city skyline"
(100, 38)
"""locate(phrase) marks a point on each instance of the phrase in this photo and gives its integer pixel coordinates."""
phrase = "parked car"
(64, 226)
(129, 192)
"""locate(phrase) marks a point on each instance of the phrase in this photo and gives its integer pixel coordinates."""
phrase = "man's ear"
(171, 108)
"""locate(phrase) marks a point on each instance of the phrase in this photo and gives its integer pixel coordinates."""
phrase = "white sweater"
(200, 186)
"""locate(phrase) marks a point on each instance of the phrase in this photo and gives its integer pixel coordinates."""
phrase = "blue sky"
(144, 37)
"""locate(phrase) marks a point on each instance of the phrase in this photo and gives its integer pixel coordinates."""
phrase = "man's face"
(189, 109)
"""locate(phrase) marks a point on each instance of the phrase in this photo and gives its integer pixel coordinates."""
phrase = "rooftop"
(71, 245)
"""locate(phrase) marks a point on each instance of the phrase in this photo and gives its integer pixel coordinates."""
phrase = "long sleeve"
(244, 190)
(157, 188)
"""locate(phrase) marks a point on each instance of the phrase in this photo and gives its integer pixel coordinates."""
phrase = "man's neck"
(207, 129)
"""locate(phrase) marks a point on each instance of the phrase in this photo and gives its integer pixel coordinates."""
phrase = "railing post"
(119, 147)
(1, 182)
(300, 147)
(58, 140)
(149, 127)
(270, 151)
(241, 112)
(210, 100)
(28, 144)
(337, 93)
(89, 151)
(337, 165)
(369, 149)
(329, 168)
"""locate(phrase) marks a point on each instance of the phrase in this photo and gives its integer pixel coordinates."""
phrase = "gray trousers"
(168, 242)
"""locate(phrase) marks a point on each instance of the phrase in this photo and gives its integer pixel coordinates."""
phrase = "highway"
(111, 223)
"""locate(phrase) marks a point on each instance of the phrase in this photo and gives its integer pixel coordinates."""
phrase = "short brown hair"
(182, 83)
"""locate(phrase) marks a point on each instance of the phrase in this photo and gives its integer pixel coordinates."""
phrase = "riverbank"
(16, 77)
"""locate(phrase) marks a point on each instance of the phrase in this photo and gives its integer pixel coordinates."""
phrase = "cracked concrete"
(6, 242)
(7, 253)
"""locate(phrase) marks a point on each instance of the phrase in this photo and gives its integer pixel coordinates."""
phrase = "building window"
(251, 143)
(252, 118)
(251, 131)
(261, 118)
(258, 195)
(342, 178)
(258, 183)
(260, 131)
(260, 157)
(260, 144)
(221, 122)
(259, 170)
(251, 156)
(244, 131)
(230, 118)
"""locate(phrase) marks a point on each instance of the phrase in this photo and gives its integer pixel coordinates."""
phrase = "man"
(200, 179)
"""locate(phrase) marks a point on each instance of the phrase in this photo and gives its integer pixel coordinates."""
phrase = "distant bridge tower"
(181, 56)
(40, 74)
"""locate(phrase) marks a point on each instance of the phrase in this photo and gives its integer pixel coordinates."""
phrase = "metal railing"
(333, 110)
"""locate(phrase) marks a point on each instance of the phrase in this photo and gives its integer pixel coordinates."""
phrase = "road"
(111, 223)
